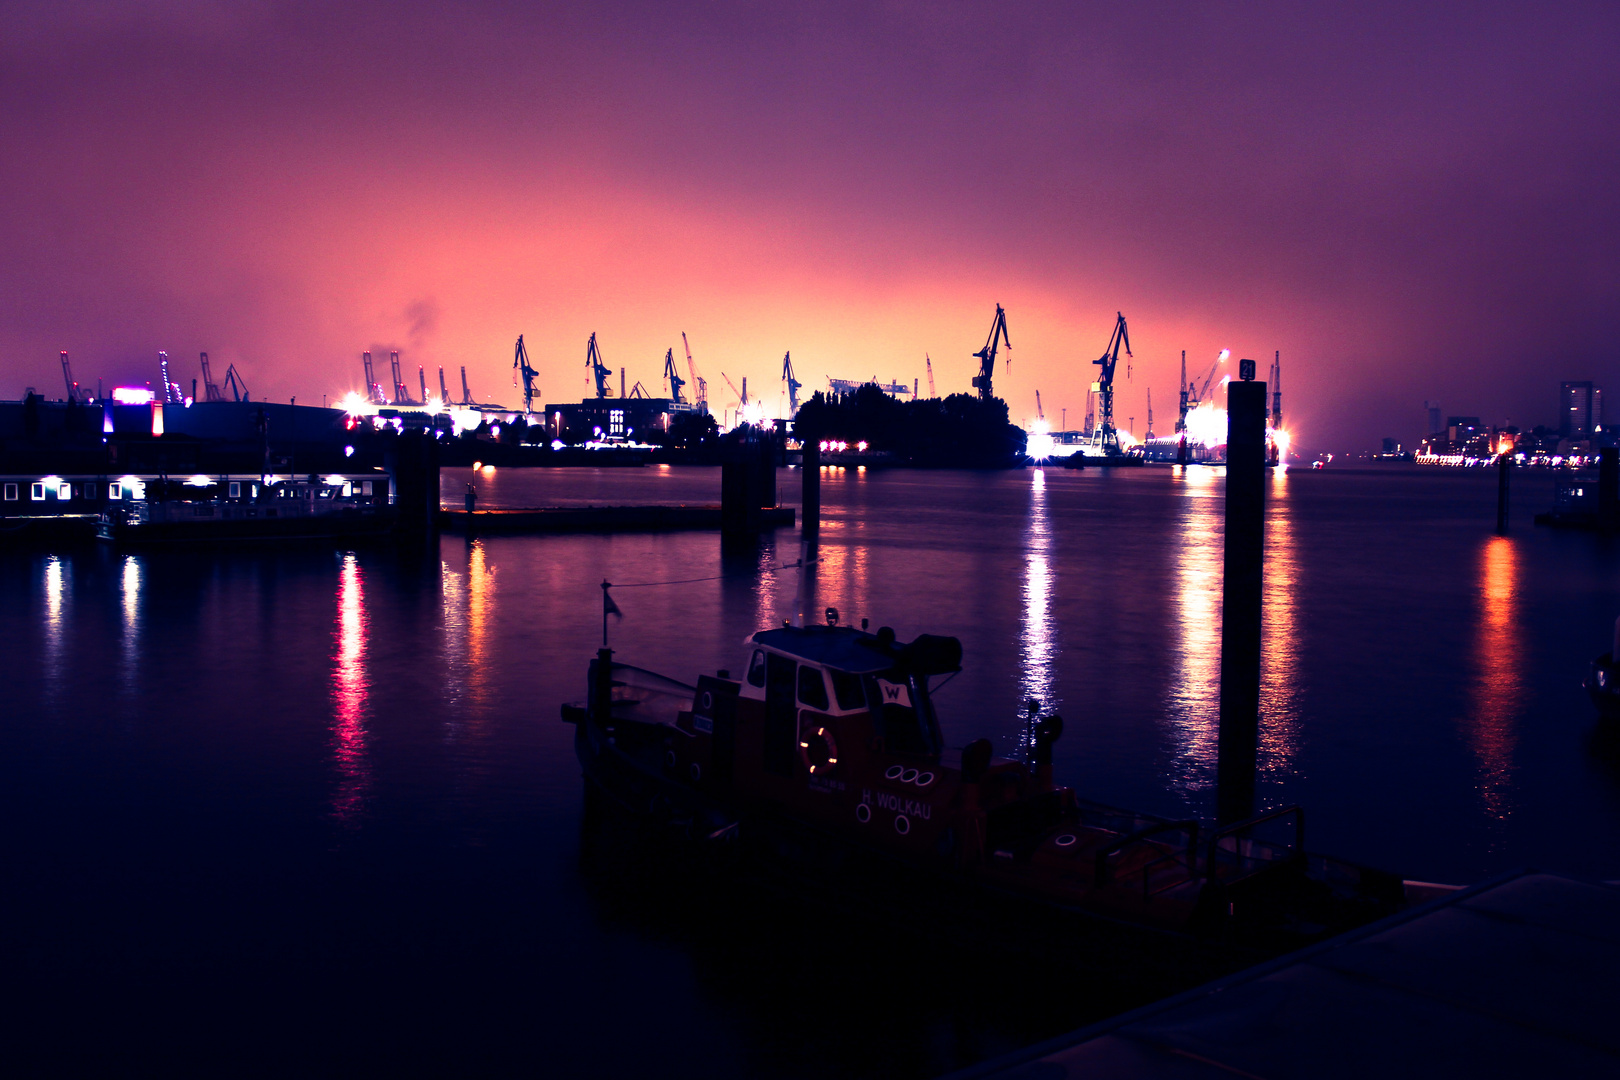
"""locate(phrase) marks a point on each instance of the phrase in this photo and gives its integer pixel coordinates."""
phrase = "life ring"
(902, 824)
(826, 751)
(863, 813)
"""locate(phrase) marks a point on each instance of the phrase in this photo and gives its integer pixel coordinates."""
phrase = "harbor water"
(301, 810)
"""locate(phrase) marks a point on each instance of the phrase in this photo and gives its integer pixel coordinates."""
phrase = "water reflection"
(1280, 630)
(1195, 691)
(55, 623)
(131, 588)
(1039, 639)
(1498, 689)
(349, 690)
(469, 604)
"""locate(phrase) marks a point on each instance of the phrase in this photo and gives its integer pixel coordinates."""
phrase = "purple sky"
(1409, 202)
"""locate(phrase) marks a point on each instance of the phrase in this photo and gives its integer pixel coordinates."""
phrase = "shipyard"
(883, 541)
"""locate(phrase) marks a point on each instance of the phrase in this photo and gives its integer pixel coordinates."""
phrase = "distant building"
(1580, 409)
(626, 418)
(1434, 419)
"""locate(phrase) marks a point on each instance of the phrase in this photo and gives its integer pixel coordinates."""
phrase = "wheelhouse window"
(812, 687)
(11, 493)
(89, 491)
(756, 668)
(847, 689)
(36, 491)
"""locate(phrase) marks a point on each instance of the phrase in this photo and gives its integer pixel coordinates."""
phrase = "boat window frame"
(755, 676)
(823, 703)
(850, 680)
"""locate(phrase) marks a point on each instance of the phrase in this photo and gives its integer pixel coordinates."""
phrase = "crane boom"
(929, 364)
(674, 380)
(1108, 435)
(421, 380)
(67, 376)
(594, 364)
(700, 385)
(210, 390)
(987, 355)
(1040, 413)
(374, 389)
(1150, 413)
(742, 395)
(1203, 394)
(520, 364)
(234, 383)
(792, 384)
(466, 394)
(444, 391)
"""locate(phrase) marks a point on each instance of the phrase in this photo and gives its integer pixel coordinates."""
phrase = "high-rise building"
(1435, 427)
(1580, 409)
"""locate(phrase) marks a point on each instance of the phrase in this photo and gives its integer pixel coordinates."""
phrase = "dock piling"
(1241, 597)
(1609, 489)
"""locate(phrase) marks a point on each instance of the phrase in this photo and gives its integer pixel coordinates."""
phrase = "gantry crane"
(402, 396)
(1107, 437)
(1149, 434)
(210, 390)
(987, 355)
(374, 389)
(675, 381)
(1040, 413)
(929, 364)
(742, 395)
(421, 381)
(444, 391)
(593, 363)
(524, 369)
(1203, 394)
(1181, 420)
(171, 392)
(466, 394)
(699, 384)
(792, 384)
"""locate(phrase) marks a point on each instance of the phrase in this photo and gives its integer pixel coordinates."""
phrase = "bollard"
(1240, 597)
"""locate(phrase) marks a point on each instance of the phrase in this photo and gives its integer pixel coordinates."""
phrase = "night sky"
(1409, 201)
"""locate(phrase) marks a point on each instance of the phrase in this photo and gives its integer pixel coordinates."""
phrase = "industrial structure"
(987, 355)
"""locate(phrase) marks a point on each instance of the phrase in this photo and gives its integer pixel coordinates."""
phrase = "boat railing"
(1234, 853)
(1153, 835)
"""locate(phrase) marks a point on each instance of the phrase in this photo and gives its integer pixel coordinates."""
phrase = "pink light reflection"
(349, 690)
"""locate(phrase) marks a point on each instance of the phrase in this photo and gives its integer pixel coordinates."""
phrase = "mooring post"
(1608, 489)
(1502, 467)
(810, 469)
(1240, 596)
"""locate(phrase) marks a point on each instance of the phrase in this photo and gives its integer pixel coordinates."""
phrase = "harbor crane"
(1040, 413)
(524, 369)
(675, 381)
(1108, 435)
(987, 355)
(638, 391)
(1203, 393)
(374, 389)
(171, 390)
(793, 384)
(1149, 434)
(1181, 420)
(466, 394)
(1276, 390)
(402, 396)
(67, 375)
(929, 364)
(593, 363)
(238, 388)
(210, 390)
(700, 385)
(444, 391)
(742, 395)
(421, 381)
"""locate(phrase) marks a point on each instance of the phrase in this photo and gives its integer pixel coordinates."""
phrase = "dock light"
(198, 480)
(348, 451)
(488, 470)
(133, 395)
(861, 446)
(477, 465)
(558, 444)
(336, 481)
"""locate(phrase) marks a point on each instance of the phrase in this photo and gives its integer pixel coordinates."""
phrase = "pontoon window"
(11, 493)
(812, 688)
(756, 669)
(903, 715)
(847, 689)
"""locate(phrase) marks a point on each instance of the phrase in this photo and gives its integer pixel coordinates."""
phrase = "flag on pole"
(608, 606)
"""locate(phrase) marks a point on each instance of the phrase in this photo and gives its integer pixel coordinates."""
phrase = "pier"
(565, 519)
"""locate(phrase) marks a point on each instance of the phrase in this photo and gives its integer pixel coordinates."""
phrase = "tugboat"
(828, 746)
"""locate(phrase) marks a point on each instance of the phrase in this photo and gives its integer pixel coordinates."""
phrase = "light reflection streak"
(1039, 637)
(131, 588)
(55, 623)
(1498, 689)
(350, 687)
(1280, 645)
(1195, 691)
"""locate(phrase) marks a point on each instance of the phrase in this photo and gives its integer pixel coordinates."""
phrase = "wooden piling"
(1241, 603)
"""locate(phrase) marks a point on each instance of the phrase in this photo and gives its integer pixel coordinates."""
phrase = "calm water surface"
(315, 810)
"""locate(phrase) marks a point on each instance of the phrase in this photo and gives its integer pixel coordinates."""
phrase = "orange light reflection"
(1195, 694)
(1498, 691)
(1039, 637)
